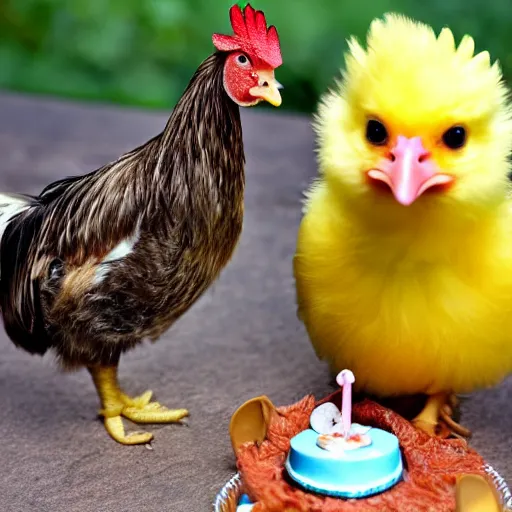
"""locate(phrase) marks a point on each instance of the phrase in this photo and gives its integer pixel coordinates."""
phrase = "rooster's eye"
(242, 59)
(376, 132)
(455, 137)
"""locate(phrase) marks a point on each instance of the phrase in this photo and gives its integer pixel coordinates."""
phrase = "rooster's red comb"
(251, 36)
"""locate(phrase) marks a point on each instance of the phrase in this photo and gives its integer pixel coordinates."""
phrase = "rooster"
(95, 264)
(404, 255)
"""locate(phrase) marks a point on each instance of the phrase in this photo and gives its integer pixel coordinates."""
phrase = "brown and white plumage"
(89, 251)
(97, 263)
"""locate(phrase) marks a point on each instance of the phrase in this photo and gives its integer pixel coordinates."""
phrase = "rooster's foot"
(114, 426)
(117, 405)
(141, 410)
(436, 418)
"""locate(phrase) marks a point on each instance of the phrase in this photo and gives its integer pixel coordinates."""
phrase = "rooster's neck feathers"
(203, 137)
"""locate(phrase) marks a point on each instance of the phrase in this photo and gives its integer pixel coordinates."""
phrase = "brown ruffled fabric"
(429, 484)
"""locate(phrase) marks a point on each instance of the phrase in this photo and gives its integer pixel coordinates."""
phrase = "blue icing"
(352, 474)
(244, 504)
(244, 500)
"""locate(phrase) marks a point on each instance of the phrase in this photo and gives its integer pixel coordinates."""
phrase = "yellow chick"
(403, 264)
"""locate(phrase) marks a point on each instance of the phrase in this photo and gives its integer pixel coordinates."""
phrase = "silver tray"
(227, 499)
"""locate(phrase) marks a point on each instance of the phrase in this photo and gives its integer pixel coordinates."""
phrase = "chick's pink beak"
(409, 171)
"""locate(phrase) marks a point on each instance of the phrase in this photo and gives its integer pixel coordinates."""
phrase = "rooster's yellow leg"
(436, 417)
(116, 404)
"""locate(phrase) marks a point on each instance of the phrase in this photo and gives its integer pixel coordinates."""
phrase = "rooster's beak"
(267, 88)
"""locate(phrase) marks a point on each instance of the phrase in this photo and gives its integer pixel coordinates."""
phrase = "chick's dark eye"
(455, 137)
(376, 132)
(242, 59)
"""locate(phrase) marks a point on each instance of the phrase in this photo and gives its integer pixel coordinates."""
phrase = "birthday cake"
(351, 474)
(332, 456)
(339, 458)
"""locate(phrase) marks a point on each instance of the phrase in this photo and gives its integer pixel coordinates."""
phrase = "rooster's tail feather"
(10, 206)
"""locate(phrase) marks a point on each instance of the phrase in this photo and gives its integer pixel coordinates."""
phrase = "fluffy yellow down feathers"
(411, 298)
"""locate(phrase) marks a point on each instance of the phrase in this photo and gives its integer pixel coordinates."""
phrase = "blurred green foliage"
(143, 52)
